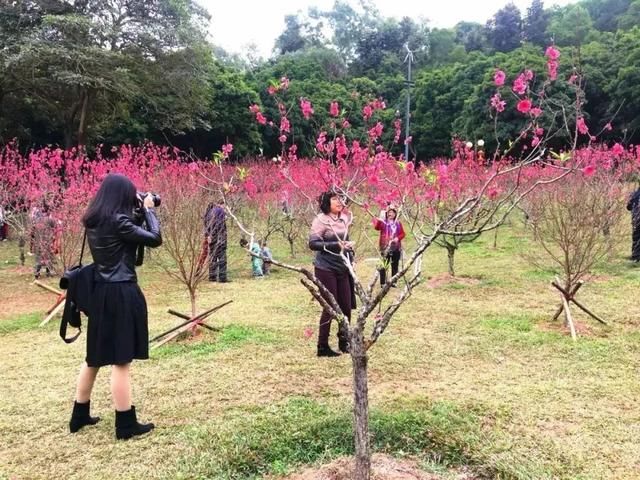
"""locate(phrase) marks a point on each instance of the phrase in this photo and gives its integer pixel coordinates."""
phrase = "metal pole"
(408, 83)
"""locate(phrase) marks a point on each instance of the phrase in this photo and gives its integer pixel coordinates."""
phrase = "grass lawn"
(471, 373)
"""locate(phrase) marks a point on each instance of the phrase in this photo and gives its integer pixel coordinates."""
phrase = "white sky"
(237, 23)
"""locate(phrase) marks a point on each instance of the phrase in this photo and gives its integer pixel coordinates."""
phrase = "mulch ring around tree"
(446, 279)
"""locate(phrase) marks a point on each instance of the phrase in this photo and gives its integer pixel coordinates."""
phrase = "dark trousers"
(339, 286)
(393, 257)
(218, 262)
(635, 243)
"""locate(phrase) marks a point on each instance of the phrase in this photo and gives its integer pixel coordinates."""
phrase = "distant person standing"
(390, 243)
(634, 207)
(256, 259)
(267, 257)
(215, 222)
(43, 235)
(3, 225)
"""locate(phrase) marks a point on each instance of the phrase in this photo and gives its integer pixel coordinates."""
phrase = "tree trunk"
(451, 251)
(68, 138)
(291, 246)
(362, 468)
(192, 296)
(495, 239)
(21, 244)
(82, 123)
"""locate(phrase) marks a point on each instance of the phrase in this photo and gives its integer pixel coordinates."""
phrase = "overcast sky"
(237, 23)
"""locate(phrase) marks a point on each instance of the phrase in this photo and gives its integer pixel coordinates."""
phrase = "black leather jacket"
(114, 243)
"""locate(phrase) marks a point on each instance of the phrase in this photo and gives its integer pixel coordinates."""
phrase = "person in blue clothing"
(256, 259)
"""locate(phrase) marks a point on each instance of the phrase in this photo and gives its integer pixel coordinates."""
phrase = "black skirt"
(118, 330)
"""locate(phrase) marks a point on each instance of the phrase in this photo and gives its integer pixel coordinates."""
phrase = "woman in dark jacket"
(329, 237)
(117, 331)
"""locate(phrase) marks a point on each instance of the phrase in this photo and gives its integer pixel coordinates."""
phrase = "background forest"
(108, 72)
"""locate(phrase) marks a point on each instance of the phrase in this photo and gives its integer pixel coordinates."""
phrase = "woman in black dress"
(117, 331)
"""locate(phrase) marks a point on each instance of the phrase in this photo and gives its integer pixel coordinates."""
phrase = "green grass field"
(470, 373)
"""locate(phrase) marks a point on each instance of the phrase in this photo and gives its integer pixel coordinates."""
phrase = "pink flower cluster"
(260, 118)
(334, 109)
(306, 108)
(497, 103)
(397, 125)
(552, 54)
(371, 107)
(521, 83)
(582, 126)
(227, 148)
(376, 131)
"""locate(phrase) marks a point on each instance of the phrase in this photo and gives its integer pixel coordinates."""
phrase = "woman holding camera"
(117, 330)
(329, 238)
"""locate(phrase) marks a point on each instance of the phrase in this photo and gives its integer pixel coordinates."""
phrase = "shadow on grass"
(280, 438)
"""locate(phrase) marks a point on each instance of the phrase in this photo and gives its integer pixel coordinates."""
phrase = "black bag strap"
(68, 308)
(63, 332)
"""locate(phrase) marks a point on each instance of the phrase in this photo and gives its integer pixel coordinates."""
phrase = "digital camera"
(155, 197)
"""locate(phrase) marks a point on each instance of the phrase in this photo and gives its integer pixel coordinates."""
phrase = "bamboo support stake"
(53, 313)
(567, 315)
(44, 286)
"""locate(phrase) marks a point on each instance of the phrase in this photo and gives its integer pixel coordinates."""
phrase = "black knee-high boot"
(80, 417)
(127, 425)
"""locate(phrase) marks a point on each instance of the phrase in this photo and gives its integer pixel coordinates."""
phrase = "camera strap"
(84, 241)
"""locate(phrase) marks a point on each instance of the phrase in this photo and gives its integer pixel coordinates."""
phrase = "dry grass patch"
(536, 405)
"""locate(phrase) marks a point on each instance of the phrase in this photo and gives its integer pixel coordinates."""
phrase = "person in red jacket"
(391, 235)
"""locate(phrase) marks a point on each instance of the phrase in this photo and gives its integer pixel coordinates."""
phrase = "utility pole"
(408, 83)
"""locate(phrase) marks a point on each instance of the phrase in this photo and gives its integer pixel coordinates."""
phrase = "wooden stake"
(174, 332)
(587, 311)
(61, 298)
(558, 312)
(52, 314)
(567, 315)
(570, 298)
(47, 287)
(573, 292)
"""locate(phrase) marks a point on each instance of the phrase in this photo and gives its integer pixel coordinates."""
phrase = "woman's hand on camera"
(148, 201)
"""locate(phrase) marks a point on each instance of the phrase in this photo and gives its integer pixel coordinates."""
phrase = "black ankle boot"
(80, 417)
(327, 352)
(127, 425)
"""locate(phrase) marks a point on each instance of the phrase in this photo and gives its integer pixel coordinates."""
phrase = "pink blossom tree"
(185, 255)
(365, 174)
(576, 222)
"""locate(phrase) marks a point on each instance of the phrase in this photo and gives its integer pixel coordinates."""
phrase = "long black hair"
(117, 194)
